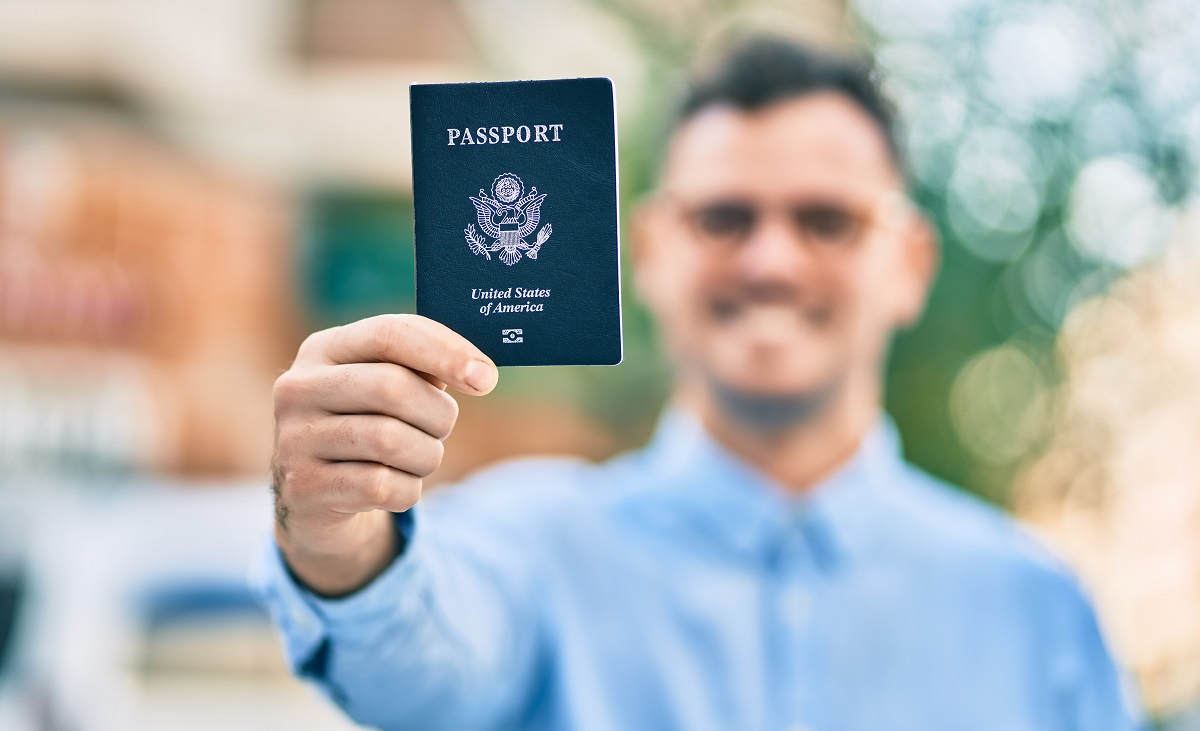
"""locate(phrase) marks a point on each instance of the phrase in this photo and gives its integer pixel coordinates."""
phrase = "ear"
(921, 260)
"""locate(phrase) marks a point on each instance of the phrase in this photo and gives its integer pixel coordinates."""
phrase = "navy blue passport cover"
(515, 207)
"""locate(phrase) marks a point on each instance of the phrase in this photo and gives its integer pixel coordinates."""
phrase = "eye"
(828, 223)
(724, 222)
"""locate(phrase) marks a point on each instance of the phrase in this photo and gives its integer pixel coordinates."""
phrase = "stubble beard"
(770, 413)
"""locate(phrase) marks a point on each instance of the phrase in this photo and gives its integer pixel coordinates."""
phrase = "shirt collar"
(722, 495)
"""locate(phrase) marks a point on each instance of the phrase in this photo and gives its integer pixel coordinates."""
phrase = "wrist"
(340, 561)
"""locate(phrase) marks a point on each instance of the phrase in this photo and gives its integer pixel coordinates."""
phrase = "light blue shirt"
(678, 588)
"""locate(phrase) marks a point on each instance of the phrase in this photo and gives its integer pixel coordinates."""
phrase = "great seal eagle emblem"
(507, 217)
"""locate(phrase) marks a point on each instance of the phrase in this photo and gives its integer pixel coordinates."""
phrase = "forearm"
(434, 623)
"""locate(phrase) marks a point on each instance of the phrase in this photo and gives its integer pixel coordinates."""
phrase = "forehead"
(818, 143)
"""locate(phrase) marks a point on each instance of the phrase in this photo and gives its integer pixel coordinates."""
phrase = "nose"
(774, 250)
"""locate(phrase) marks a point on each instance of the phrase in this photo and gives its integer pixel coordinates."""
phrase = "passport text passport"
(515, 208)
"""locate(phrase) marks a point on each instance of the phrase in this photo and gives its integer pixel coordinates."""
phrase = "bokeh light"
(1115, 489)
(999, 404)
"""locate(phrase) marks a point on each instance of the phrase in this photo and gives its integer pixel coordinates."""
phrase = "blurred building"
(145, 302)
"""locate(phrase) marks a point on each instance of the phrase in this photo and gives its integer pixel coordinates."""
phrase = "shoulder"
(974, 562)
(981, 566)
(951, 531)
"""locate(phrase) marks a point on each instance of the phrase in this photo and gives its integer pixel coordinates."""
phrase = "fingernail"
(481, 376)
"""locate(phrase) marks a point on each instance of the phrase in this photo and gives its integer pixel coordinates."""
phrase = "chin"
(771, 398)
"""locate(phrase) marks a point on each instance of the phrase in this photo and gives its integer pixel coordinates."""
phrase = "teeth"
(769, 322)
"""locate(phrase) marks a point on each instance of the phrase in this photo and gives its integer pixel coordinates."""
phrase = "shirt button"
(795, 606)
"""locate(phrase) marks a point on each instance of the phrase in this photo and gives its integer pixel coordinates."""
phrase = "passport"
(515, 217)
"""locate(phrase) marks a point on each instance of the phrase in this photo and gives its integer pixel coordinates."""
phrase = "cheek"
(674, 286)
(872, 293)
(682, 310)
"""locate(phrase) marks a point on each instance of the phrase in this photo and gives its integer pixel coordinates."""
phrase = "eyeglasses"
(727, 223)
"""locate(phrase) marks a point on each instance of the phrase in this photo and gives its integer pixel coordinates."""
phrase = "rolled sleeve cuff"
(307, 622)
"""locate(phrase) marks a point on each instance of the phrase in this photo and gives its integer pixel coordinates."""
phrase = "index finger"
(411, 341)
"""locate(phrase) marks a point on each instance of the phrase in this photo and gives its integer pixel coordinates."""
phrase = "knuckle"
(315, 342)
(283, 442)
(388, 389)
(298, 389)
(381, 336)
(444, 421)
(430, 458)
(406, 493)
(388, 332)
(379, 486)
(452, 410)
(294, 481)
(287, 389)
(452, 361)
(411, 493)
(439, 452)
(290, 439)
(343, 432)
(311, 342)
(384, 438)
(342, 481)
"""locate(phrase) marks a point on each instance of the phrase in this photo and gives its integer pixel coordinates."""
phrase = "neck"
(798, 453)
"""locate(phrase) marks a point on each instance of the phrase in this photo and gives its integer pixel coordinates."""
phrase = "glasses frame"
(888, 209)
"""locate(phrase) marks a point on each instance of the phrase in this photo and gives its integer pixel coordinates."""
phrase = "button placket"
(800, 576)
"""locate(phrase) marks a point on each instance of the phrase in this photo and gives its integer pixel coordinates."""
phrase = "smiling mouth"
(769, 319)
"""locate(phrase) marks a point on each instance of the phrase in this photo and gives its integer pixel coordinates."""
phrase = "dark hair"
(764, 70)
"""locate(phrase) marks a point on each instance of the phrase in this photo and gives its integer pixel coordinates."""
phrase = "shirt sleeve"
(1096, 693)
(444, 638)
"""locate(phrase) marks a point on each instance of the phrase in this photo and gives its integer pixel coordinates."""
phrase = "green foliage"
(357, 255)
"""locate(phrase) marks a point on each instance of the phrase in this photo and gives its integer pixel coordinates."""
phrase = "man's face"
(779, 256)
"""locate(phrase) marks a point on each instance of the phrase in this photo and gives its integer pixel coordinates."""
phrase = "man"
(768, 562)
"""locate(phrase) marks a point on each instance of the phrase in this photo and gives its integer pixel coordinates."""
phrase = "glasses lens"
(727, 222)
(827, 222)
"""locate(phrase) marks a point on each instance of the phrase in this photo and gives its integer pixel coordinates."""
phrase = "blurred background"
(188, 187)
